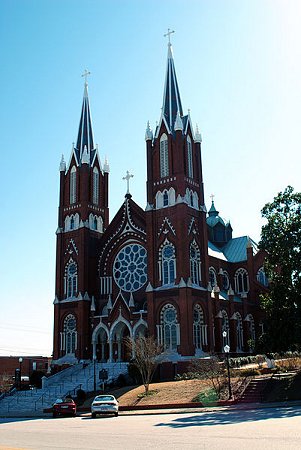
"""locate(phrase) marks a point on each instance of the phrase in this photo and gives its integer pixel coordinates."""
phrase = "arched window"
(262, 278)
(195, 263)
(189, 157)
(212, 276)
(71, 280)
(70, 334)
(239, 333)
(95, 189)
(72, 222)
(199, 328)
(95, 223)
(225, 327)
(164, 168)
(168, 257)
(226, 282)
(73, 185)
(252, 333)
(241, 281)
(165, 198)
(170, 328)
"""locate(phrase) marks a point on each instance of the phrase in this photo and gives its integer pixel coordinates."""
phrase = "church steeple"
(85, 142)
(171, 96)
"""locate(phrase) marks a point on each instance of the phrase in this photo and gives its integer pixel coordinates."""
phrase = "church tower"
(177, 293)
(83, 217)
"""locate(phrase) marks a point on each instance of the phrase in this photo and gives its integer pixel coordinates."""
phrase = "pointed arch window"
(262, 278)
(195, 263)
(226, 282)
(95, 189)
(70, 334)
(189, 157)
(164, 167)
(169, 331)
(168, 264)
(199, 328)
(165, 198)
(212, 276)
(239, 333)
(250, 320)
(73, 185)
(241, 281)
(71, 280)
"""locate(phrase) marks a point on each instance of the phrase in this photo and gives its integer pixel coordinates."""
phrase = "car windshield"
(104, 398)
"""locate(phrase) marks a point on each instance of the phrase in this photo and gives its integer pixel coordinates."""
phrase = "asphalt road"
(264, 429)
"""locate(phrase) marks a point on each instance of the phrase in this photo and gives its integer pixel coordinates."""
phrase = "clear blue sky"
(238, 65)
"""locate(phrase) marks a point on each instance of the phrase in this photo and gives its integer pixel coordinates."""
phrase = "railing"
(72, 370)
(79, 386)
(240, 389)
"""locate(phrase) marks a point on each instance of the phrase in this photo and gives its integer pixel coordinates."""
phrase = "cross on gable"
(127, 178)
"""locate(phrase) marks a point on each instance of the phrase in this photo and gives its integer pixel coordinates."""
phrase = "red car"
(64, 407)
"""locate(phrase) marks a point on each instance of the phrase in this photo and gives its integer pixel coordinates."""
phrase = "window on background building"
(199, 328)
(95, 189)
(189, 157)
(226, 282)
(212, 276)
(251, 322)
(239, 333)
(164, 168)
(70, 334)
(168, 256)
(262, 278)
(195, 263)
(241, 281)
(73, 185)
(71, 280)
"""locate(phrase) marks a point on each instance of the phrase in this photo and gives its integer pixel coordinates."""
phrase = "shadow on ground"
(232, 417)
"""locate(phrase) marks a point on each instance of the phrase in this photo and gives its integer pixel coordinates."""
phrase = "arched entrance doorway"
(120, 349)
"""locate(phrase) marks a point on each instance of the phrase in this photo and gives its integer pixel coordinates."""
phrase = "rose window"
(130, 268)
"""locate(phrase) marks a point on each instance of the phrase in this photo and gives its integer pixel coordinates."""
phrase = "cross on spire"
(86, 74)
(127, 178)
(212, 197)
(168, 34)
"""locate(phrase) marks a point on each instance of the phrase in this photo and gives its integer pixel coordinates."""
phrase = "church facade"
(172, 270)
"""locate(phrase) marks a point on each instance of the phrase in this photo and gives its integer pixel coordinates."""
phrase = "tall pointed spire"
(171, 96)
(85, 132)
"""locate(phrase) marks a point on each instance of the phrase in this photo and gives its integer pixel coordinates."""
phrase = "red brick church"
(171, 270)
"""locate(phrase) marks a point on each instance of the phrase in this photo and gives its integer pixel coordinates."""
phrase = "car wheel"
(54, 415)
(116, 414)
(93, 415)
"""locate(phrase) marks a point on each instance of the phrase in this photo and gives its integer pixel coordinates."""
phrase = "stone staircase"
(254, 390)
(68, 381)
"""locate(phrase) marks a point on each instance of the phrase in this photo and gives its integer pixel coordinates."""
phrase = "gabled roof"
(236, 249)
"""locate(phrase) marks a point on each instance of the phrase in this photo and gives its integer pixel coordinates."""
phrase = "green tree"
(281, 239)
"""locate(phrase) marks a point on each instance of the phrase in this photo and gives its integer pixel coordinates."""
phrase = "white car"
(104, 404)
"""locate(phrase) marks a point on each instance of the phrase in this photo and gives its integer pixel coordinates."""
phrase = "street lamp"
(226, 350)
(20, 363)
